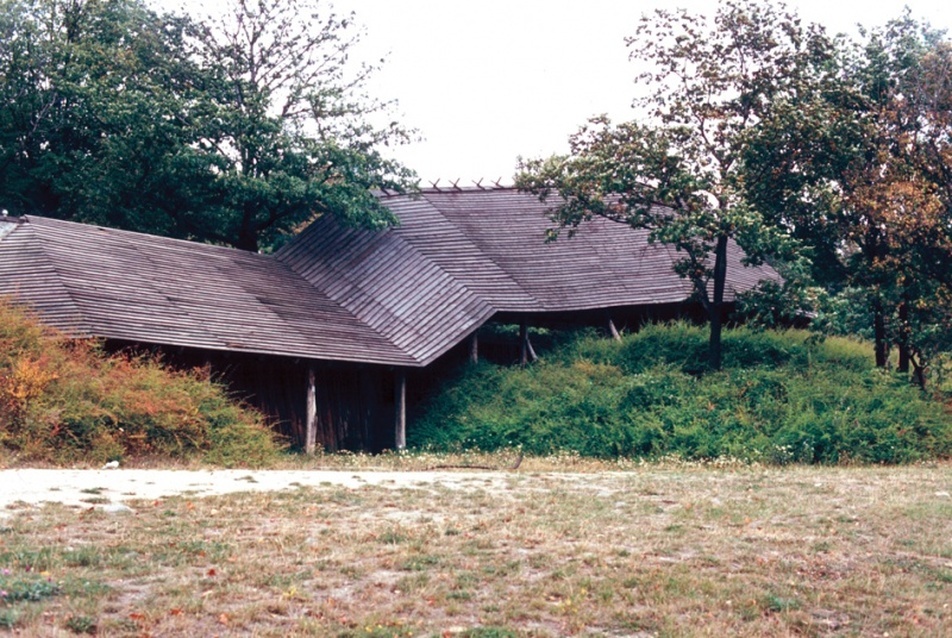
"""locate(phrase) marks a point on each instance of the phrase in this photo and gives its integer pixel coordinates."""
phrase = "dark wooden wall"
(355, 403)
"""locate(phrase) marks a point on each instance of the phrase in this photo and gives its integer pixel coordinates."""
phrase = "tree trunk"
(879, 333)
(716, 308)
(905, 336)
(247, 235)
(874, 250)
(919, 373)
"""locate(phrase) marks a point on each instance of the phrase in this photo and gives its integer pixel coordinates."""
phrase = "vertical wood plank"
(474, 348)
(523, 343)
(310, 432)
(400, 408)
(612, 330)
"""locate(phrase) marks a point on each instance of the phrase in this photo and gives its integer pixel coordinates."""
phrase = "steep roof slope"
(387, 283)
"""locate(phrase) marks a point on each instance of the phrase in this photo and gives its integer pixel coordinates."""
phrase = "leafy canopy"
(234, 131)
(859, 169)
(681, 172)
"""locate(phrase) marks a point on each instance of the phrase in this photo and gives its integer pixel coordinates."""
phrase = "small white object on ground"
(111, 465)
(117, 508)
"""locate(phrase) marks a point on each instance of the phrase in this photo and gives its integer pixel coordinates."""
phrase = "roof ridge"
(138, 233)
(366, 293)
(451, 187)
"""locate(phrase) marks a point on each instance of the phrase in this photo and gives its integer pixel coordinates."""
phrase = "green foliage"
(680, 171)
(63, 401)
(857, 169)
(781, 397)
(95, 102)
(27, 587)
(234, 131)
(81, 625)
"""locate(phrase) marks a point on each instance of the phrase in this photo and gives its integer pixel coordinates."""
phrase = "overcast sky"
(489, 80)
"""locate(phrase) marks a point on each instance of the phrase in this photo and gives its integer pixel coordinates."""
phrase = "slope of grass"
(66, 401)
(781, 397)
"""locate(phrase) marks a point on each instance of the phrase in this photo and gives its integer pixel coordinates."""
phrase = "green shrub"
(63, 401)
(781, 397)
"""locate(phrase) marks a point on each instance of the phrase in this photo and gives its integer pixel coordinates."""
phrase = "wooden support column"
(523, 343)
(310, 432)
(526, 352)
(474, 348)
(400, 409)
(612, 330)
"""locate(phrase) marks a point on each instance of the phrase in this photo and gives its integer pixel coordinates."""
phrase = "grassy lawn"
(663, 550)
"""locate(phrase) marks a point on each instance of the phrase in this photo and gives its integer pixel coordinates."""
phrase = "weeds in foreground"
(63, 401)
(781, 398)
(740, 551)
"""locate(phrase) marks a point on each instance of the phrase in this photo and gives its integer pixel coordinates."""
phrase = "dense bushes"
(64, 401)
(781, 397)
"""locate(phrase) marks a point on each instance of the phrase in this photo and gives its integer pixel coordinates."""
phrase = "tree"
(234, 132)
(896, 208)
(870, 192)
(682, 174)
(291, 128)
(91, 101)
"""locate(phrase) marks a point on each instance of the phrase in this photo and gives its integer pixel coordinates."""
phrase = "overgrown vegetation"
(780, 398)
(63, 401)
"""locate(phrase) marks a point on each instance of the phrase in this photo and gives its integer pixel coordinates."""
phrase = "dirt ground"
(72, 487)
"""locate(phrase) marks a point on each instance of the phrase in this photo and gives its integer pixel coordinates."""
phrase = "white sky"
(487, 81)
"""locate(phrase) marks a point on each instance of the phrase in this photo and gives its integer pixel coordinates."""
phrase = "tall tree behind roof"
(93, 106)
(681, 173)
(862, 172)
(292, 125)
(234, 131)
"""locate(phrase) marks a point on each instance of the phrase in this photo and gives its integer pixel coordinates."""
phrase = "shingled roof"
(402, 296)
(102, 282)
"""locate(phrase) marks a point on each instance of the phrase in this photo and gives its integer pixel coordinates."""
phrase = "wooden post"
(523, 343)
(310, 432)
(474, 348)
(532, 353)
(612, 330)
(400, 408)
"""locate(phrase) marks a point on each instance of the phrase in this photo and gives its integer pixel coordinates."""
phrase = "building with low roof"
(326, 334)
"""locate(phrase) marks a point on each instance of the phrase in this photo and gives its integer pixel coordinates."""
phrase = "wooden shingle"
(400, 297)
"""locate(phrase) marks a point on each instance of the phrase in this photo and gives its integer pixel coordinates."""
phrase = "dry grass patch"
(658, 551)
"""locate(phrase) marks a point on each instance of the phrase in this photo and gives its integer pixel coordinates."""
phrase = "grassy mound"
(781, 397)
(65, 401)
